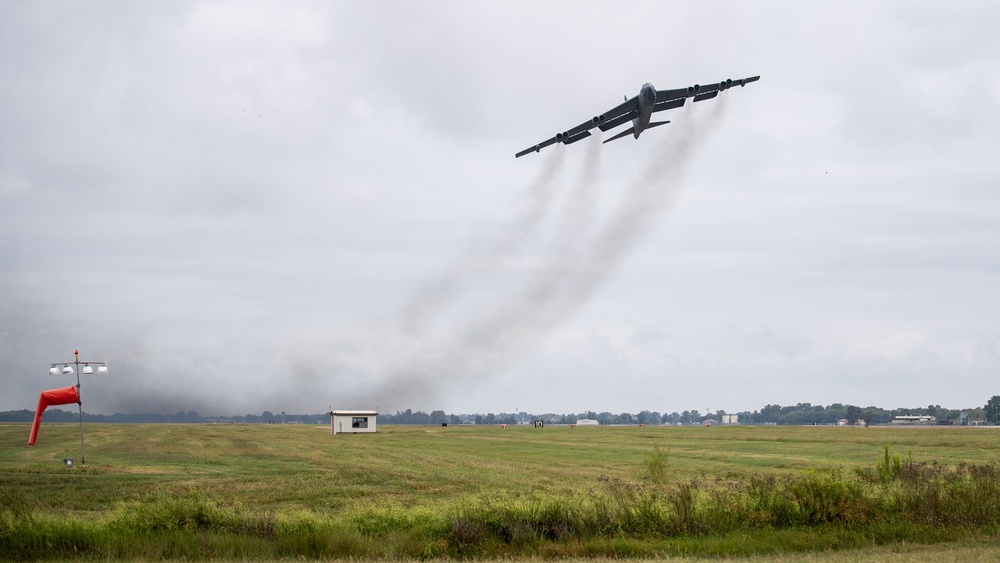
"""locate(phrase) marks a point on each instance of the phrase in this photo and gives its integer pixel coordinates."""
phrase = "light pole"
(66, 368)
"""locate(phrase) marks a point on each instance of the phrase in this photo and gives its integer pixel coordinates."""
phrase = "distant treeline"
(801, 413)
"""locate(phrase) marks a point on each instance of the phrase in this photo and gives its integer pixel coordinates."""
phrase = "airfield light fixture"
(87, 369)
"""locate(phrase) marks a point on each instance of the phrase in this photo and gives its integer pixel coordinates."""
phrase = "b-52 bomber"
(639, 110)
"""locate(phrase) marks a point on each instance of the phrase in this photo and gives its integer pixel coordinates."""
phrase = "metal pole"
(79, 404)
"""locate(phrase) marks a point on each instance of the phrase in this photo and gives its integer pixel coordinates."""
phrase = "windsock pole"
(79, 404)
(67, 368)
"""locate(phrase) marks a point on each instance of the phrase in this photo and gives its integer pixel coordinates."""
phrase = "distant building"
(352, 422)
(587, 422)
(842, 422)
(730, 419)
(913, 419)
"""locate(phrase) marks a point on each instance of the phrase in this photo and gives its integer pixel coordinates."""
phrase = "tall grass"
(917, 503)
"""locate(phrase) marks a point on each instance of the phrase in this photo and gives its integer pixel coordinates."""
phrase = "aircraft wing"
(670, 99)
(614, 117)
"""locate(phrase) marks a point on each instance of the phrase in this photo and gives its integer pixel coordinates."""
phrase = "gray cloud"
(237, 205)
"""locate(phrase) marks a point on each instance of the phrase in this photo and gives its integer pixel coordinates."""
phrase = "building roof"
(341, 412)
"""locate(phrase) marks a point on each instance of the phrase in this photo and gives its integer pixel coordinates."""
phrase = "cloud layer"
(248, 206)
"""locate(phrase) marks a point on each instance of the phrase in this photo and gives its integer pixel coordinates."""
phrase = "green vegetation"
(798, 414)
(992, 410)
(290, 491)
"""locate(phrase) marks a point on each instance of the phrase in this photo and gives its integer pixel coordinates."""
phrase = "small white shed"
(352, 422)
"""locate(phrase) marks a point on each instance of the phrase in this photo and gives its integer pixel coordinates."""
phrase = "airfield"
(276, 491)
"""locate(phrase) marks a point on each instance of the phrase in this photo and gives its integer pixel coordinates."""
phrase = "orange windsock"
(63, 396)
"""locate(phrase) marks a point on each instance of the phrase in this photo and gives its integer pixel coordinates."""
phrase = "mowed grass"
(280, 467)
(403, 473)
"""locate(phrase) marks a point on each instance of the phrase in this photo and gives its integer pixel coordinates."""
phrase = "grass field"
(267, 491)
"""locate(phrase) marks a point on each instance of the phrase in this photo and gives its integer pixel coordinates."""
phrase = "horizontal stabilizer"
(706, 96)
(576, 138)
(656, 123)
(628, 131)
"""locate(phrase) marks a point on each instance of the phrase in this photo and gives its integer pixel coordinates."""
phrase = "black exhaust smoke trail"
(471, 349)
(648, 199)
(486, 255)
(582, 257)
(569, 278)
(579, 212)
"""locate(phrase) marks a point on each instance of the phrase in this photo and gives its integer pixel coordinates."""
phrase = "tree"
(993, 410)
(853, 414)
(868, 415)
(647, 417)
(770, 413)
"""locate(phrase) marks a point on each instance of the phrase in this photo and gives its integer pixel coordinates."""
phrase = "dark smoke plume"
(554, 278)
(487, 253)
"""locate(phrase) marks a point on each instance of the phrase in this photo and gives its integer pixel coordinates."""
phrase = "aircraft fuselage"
(647, 99)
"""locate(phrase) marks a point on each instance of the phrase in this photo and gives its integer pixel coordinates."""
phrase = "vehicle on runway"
(639, 110)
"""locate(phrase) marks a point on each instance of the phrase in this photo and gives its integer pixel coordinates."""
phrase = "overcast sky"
(287, 206)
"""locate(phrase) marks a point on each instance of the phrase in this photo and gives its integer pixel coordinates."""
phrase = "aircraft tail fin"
(628, 131)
